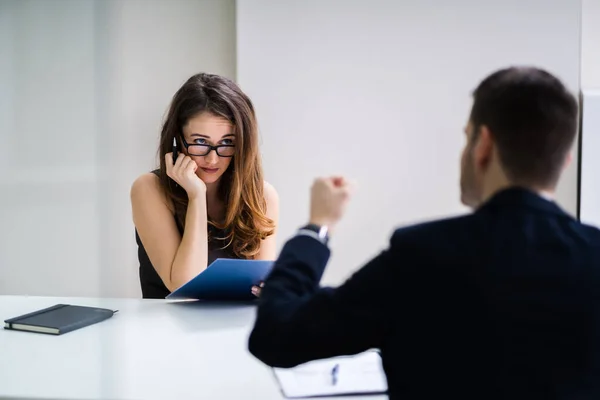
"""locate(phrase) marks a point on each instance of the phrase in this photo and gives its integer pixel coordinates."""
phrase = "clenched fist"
(329, 197)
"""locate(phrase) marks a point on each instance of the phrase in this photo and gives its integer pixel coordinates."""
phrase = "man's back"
(500, 304)
(503, 303)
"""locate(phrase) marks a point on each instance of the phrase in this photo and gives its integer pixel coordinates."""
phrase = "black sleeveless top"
(151, 283)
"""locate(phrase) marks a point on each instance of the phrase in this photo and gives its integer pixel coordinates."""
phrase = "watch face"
(323, 232)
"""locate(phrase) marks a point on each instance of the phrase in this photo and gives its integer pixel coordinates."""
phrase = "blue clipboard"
(225, 279)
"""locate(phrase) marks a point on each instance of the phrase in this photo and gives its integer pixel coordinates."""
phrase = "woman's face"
(203, 131)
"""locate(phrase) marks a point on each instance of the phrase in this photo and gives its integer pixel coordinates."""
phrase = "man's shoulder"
(590, 232)
(429, 230)
(467, 231)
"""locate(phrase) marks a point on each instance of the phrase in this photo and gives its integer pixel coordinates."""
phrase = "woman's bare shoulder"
(272, 201)
(269, 192)
(147, 188)
(146, 184)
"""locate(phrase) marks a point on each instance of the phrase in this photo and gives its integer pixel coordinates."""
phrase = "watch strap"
(318, 232)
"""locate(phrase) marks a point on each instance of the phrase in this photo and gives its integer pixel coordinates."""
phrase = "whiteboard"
(589, 175)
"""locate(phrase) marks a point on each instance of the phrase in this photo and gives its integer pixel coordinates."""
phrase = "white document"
(359, 374)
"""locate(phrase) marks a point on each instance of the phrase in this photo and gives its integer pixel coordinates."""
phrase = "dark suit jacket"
(503, 303)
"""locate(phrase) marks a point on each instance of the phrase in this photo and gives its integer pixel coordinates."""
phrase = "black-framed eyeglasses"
(223, 150)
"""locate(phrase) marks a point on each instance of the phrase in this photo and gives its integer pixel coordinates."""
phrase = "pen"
(334, 374)
(174, 150)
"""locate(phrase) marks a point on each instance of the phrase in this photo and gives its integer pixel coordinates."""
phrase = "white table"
(151, 349)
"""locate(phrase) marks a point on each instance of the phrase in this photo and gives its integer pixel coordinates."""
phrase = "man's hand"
(329, 197)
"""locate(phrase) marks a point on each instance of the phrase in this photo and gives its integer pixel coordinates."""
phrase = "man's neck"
(492, 189)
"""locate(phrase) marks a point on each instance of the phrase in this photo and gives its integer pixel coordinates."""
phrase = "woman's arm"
(176, 259)
(268, 247)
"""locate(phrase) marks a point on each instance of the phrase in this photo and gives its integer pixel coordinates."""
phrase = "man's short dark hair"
(532, 117)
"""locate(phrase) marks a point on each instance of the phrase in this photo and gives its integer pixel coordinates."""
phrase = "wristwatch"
(317, 231)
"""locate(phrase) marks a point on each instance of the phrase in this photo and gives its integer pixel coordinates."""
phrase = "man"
(499, 304)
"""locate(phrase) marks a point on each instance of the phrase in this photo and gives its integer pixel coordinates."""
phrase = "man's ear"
(483, 148)
(568, 159)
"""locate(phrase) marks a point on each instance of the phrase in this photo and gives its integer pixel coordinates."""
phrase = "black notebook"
(58, 319)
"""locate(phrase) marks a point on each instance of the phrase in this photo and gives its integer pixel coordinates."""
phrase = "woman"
(211, 201)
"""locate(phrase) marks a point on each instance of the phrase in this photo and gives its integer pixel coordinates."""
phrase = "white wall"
(590, 44)
(590, 129)
(85, 84)
(590, 163)
(49, 235)
(379, 91)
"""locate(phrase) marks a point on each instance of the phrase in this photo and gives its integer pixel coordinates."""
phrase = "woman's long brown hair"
(241, 186)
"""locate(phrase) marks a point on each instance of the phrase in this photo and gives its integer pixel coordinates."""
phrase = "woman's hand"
(184, 173)
(256, 289)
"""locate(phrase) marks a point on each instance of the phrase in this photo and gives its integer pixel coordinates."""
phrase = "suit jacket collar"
(521, 198)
